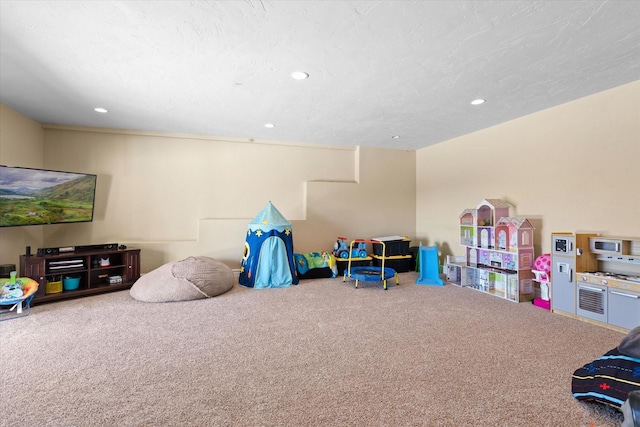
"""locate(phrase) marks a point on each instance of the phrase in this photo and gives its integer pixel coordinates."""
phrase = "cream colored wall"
(570, 168)
(575, 167)
(175, 195)
(20, 145)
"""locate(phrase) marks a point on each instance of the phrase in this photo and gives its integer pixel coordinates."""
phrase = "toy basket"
(70, 283)
(54, 286)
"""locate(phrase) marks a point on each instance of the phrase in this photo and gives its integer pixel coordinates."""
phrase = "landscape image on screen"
(36, 196)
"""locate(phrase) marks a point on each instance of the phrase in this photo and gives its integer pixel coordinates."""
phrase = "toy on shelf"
(341, 250)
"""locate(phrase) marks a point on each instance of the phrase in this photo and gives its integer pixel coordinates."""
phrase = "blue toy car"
(341, 249)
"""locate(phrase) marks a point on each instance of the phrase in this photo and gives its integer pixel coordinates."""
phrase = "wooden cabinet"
(499, 251)
(86, 272)
(133, 265)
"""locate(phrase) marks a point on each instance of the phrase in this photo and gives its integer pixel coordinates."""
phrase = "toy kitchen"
(596, 279)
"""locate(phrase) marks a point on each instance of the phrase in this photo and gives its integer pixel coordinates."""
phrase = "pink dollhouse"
(499, 250)
(488, 212)
(515, 234)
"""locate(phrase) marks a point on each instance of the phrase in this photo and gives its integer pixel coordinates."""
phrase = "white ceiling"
(377, 68)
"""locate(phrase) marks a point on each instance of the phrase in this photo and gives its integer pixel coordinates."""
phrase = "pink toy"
(542, 268)
(546, 304)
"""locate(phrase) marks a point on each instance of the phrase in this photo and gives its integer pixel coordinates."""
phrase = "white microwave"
(599, 245)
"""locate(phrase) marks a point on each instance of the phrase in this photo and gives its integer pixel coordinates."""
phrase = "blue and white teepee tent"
(268, 252)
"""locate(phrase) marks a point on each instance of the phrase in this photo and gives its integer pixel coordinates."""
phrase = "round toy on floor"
(372, 274)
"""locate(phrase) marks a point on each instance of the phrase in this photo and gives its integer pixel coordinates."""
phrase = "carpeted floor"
(318, 354)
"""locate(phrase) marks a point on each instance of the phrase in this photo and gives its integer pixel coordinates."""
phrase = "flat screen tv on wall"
(37, 196)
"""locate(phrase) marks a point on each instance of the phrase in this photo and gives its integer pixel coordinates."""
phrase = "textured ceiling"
(377, 68)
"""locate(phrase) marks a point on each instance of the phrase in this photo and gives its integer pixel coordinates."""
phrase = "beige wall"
(20, 145)
(570, 168)
(175, 195)
(575, 167)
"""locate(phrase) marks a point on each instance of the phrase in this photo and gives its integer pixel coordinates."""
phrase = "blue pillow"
(301, 263)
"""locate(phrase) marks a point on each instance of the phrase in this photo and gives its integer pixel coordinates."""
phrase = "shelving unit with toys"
(499, 252)
(75, 274)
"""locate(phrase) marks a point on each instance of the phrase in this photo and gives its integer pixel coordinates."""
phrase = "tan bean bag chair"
(188, 279)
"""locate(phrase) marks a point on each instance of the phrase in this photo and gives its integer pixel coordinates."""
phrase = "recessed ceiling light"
(478, 101)
(100, 110)
(395, 137)
(269, 125)
(299, 75)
